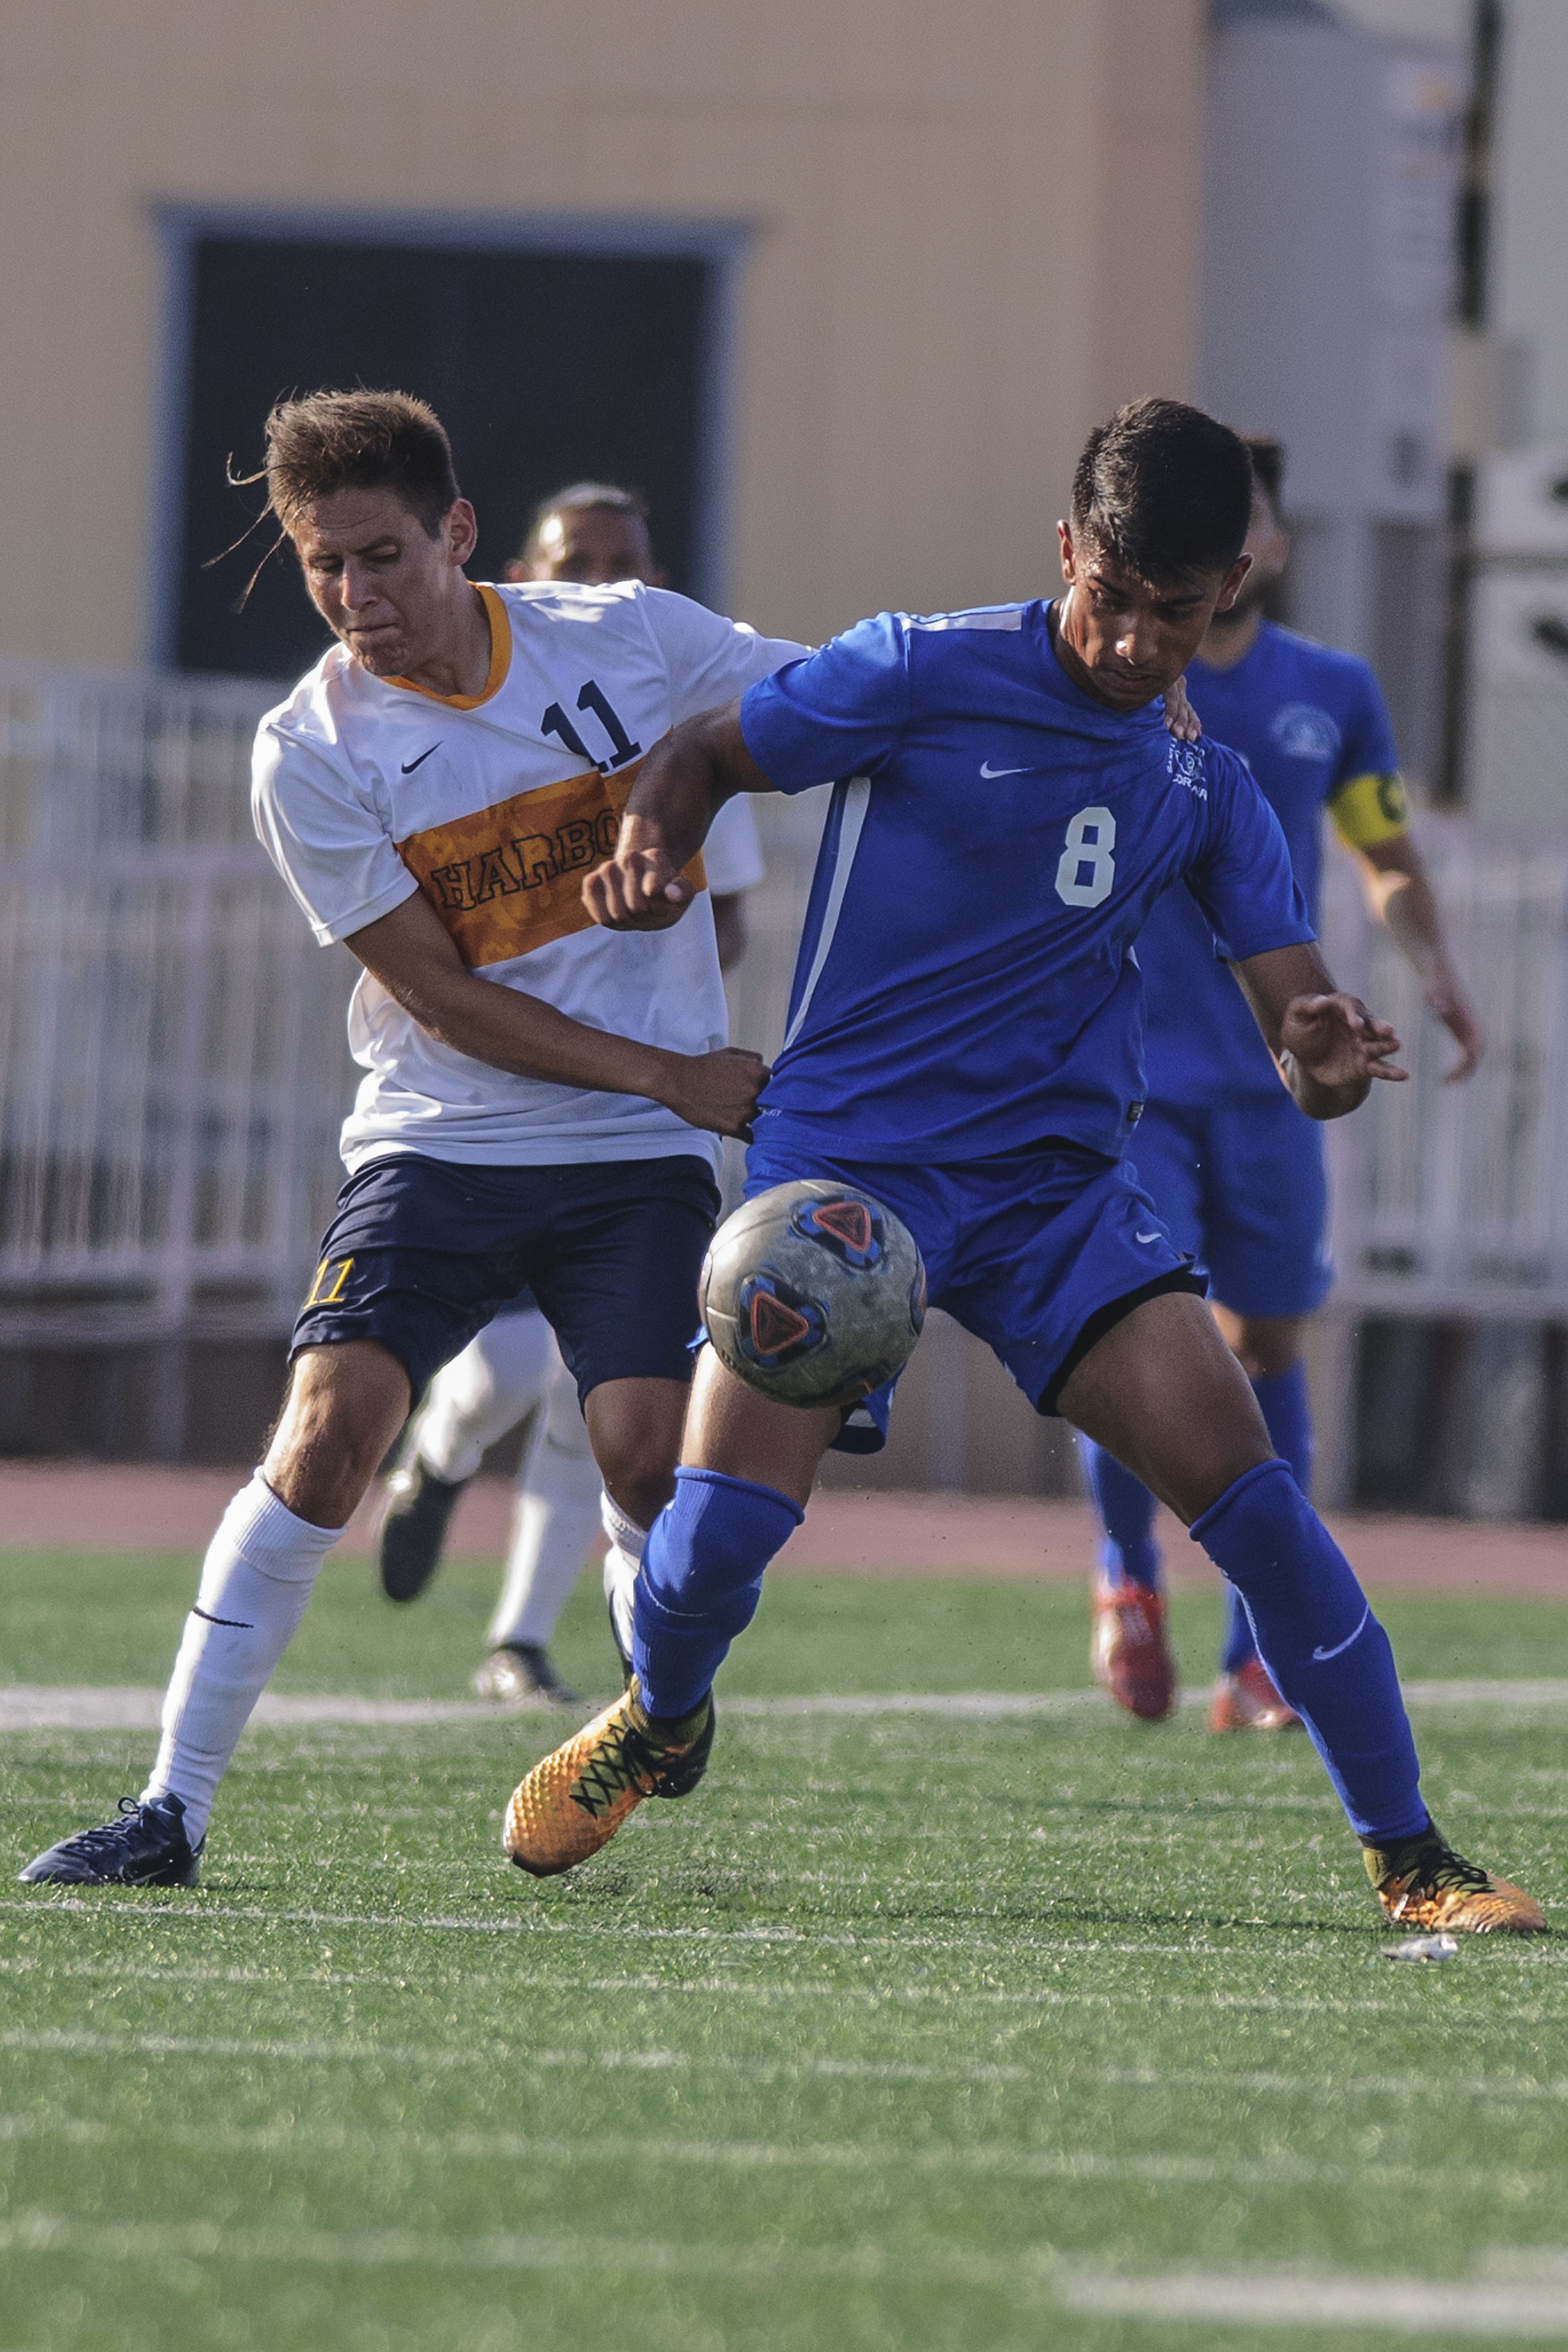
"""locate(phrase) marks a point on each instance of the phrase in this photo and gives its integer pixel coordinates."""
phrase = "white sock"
(256, 1579)
(484, 1392)
(556, 1519)
(622, 1562)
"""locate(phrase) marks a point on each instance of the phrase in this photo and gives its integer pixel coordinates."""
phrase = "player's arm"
(683, 782)
(412, 956)
(1327, 1044)
(1399, 893)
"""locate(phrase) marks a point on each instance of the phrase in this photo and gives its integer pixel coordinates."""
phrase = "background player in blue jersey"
(1236, 1170)
(964, 1044)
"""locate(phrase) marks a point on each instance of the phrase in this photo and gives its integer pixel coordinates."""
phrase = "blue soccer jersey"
(966, 983)
(1313, 728)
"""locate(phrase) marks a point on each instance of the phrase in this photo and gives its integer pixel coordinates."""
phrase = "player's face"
(592, 545)
(1124, 640)
(378, 579)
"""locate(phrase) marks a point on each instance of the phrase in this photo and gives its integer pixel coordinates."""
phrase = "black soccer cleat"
(413, 1529)
(521, 1673)
(146, 1845)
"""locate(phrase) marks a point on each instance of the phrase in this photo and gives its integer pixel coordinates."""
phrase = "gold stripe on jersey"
(500, 660)
(508, 878)
(1370, 809)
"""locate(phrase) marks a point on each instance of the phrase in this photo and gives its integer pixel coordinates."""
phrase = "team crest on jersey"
(1302, 731)
(1185, 765)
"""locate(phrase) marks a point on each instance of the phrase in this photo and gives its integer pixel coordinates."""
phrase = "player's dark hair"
(1164, 489)
(1268, 457)
(331, 441)
(575, 499)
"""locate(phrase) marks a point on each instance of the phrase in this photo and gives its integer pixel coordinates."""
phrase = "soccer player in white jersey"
(592, 533)
(541, 1101)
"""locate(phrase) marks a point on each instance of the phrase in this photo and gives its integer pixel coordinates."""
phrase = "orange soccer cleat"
(1247, 1701)
(1130, 1650)
(1423, 1882)
(574, 1801)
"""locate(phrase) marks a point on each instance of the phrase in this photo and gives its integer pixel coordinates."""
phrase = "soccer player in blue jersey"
(1237, 1170)
(964, 1044)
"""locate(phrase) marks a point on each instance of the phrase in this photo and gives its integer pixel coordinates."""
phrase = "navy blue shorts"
(1242, 1186)
(1039, 1253)
(423, 1253)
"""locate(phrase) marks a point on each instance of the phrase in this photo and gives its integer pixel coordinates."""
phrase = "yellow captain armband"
(1370, 809)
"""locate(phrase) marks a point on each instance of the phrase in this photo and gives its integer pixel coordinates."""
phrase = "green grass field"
(906, 2031)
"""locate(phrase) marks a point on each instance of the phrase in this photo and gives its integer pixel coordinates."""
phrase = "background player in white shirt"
(592, 533)
(543, 1099)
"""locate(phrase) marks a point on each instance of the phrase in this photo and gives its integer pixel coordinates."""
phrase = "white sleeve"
(709, 660)
(731, 854)
(325, 834)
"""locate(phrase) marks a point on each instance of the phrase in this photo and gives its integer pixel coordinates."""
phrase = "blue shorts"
(1039, 1253)
(1242, 1186)
(423, 1253)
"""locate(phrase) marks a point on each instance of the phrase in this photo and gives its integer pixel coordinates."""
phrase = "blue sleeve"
(839, 712)
(1368, 747)
(1243, 879)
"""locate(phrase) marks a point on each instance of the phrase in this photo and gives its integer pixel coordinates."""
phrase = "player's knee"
(344, 1407)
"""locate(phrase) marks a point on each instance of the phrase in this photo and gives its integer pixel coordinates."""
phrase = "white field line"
(876, 1997)
(1398, 2306)
(40, 1707)
(73, 2042)
(1298, 2299)
(994, 1943)
(77, 2042)
(986, 2159)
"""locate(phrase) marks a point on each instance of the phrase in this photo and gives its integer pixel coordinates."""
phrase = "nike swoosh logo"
(989, 774)
(409, 765)
(1323, 1657)
(1145, 1237)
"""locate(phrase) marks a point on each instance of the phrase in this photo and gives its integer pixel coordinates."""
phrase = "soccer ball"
(814, 1293)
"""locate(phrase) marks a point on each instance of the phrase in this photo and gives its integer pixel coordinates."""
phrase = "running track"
(104, 1507)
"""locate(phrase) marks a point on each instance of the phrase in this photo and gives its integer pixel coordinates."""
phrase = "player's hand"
(638, 890)
(718, 1091)
(1453, 1009)
(1336, 1045)
(1181, 720)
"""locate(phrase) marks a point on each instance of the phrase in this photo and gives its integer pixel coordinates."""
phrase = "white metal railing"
(1454, 1199)
(173, 1070)
(173, 1062)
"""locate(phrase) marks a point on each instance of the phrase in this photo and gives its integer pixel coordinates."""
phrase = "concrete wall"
(1530, 284)
(976, 229)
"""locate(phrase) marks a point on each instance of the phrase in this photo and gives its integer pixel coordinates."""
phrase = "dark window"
(543, 367)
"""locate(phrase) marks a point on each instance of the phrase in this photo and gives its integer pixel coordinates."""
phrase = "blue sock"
(1288, 1416)
(1126, 1509)
(1328, 1654)
(700, 1580)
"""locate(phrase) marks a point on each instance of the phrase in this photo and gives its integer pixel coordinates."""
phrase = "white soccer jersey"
(366, 790)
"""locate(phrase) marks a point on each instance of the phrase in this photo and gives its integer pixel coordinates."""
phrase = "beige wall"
(978, 227)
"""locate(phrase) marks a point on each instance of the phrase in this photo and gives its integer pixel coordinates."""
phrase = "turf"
(897, 2028)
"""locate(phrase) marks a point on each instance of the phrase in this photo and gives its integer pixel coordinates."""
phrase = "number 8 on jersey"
(1086, 869)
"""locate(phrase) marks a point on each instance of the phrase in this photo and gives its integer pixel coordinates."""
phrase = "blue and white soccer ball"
(814, 1293)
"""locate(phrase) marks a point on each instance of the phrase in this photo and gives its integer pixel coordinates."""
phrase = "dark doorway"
(543, 366)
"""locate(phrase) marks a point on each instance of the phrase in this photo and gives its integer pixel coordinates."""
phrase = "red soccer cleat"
(1247, 1701)
(1129, 1650)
